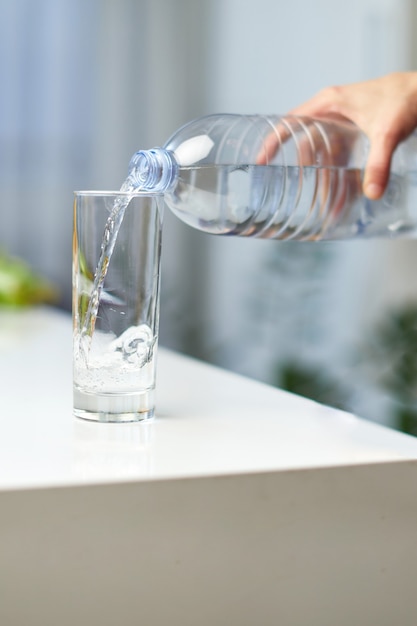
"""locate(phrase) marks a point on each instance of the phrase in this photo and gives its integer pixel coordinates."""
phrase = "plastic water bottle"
(279, 178)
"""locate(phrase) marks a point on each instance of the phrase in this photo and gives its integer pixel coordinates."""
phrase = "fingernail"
(373, 191)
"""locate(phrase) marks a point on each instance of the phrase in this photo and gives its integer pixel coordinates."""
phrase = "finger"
(269, 148)
(301, 130)
(274, 140)
(378, 167)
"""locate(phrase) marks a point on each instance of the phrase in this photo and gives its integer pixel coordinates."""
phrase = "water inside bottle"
(292, 202)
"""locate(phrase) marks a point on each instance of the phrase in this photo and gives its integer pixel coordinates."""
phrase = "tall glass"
(116, 278)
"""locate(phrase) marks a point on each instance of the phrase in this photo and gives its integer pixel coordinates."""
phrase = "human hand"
(385, 109)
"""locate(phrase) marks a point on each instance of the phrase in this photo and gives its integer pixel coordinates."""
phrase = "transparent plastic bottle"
(278, 177)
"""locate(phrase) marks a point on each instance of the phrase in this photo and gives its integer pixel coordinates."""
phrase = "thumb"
(378, 168)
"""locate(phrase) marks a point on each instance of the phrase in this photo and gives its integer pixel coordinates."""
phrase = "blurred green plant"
(392, 349)
(389, 356)
(20, 286)
(311, 382)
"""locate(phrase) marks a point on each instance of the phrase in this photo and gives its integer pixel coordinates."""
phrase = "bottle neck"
(153, 170)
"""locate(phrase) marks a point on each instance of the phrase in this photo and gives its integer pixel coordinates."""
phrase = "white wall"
(274, 54)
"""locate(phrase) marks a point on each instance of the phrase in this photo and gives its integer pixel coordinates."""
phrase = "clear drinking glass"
(116, 278)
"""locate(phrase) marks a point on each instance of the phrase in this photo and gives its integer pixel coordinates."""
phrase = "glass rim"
(137, 193)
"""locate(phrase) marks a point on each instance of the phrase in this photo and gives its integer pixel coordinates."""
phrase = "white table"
(238, 504)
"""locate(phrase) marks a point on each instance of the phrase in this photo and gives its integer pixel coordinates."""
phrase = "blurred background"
(86, 83)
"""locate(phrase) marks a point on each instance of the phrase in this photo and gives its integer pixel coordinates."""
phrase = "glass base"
(112, 407)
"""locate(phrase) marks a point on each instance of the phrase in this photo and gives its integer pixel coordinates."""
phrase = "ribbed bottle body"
(286, 178)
